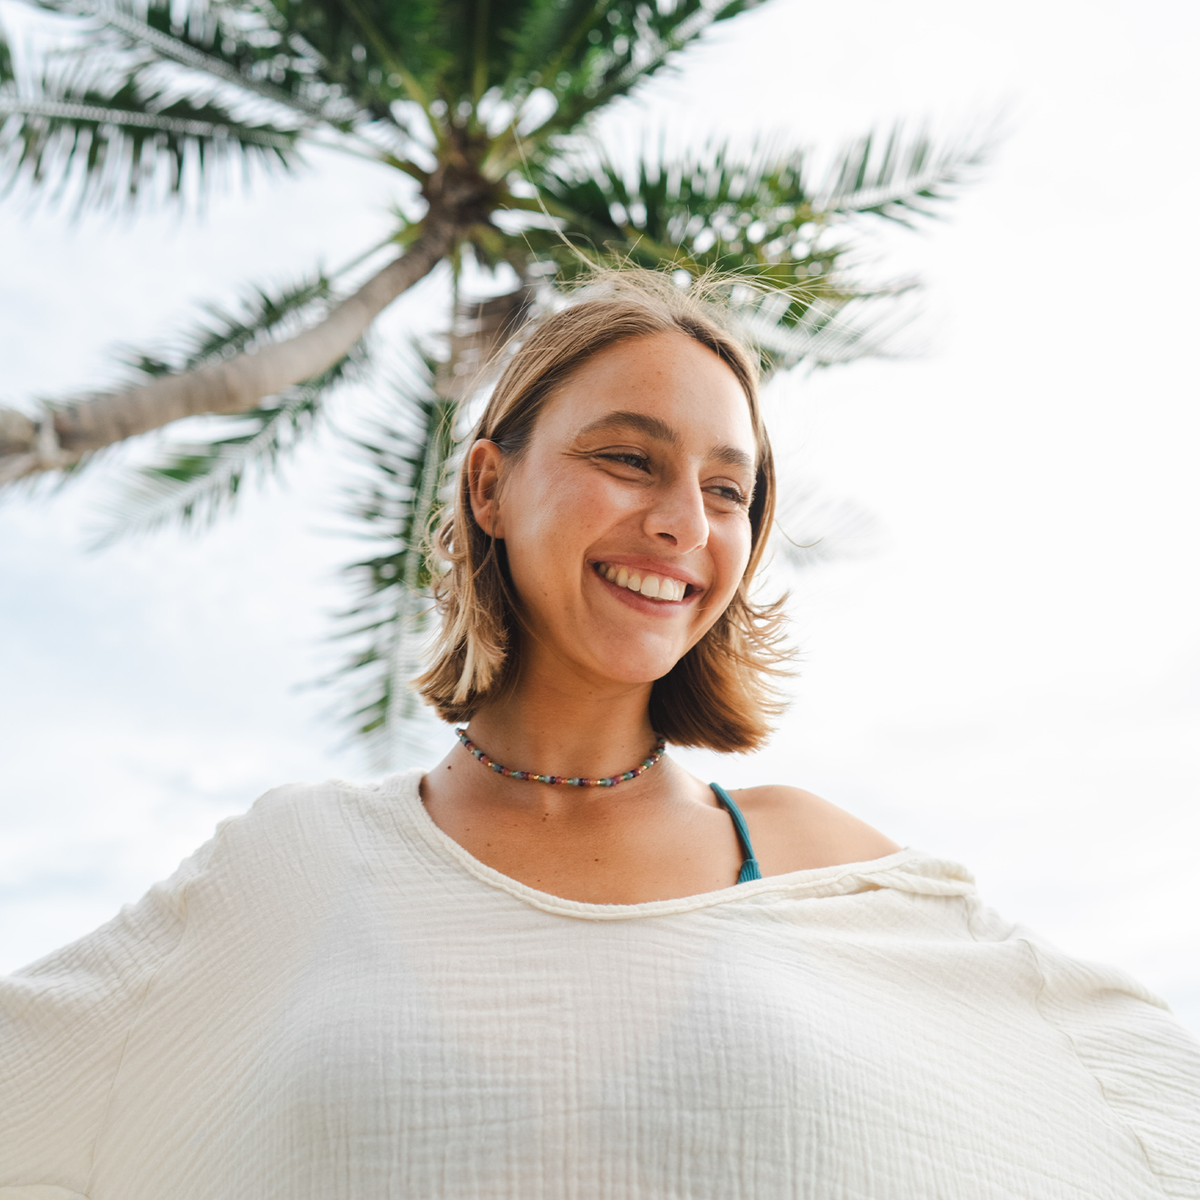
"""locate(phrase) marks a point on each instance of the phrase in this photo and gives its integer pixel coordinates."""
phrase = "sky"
(1011, 678)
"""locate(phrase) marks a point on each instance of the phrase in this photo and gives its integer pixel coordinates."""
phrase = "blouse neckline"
(812, 882)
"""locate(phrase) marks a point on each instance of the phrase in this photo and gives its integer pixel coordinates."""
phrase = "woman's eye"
(628, 459)
(733, 494)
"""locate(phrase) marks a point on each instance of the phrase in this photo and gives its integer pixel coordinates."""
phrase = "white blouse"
(332, 1000)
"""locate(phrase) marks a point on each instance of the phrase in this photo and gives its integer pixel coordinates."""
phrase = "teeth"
(654, 587)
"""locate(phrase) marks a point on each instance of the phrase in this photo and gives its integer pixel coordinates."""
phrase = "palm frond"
(660, 34)
(192, 483)
(758, 218)
(717, 209)
(726, 209)
(238, 46)
(749, 218)
(396, 507)
(7, 71)
(90, 115)
(586, 53)
(115, 133)
(221, 333)
(790, 327)
(898, 176)
(376, 53)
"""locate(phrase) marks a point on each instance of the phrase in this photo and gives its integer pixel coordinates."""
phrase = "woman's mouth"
(653, 587)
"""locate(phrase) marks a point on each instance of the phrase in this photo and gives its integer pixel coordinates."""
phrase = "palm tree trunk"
(238, 385)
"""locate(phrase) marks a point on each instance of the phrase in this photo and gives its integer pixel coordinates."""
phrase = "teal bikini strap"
(749, 862)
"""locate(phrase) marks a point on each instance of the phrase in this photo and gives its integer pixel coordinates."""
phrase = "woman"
(556, 965)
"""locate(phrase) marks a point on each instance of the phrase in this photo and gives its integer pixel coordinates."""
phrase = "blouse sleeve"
(1145, 1063)
(64, 1021)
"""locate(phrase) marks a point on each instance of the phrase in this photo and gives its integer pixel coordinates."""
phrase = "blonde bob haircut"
(721, 693)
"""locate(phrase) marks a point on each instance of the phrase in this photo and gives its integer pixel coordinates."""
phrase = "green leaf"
(464, 61)
(717, 209)
(396, 507)
(722, 209)
(243, 45)
(371, 52)
(898, 176)
(193, 483)
(7, 73)
(757, 217)
(113, 138)
(586, 53)
(262, 314)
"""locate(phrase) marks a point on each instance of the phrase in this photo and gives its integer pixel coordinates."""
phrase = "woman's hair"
(720, 694)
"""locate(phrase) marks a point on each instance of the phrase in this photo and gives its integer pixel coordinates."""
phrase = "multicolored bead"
(574, 781)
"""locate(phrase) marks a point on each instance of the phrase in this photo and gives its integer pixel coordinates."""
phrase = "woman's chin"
(613, 657)
(633, 668)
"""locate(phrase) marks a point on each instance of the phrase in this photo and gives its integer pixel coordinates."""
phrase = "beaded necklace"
(575, 781)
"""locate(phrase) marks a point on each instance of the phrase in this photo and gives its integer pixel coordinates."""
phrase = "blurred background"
(1001, 666)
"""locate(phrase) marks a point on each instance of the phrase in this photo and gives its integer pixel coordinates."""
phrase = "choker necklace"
(575, 781)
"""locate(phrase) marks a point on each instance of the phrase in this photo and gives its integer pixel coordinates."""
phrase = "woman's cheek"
(734, 555)
(564, 498)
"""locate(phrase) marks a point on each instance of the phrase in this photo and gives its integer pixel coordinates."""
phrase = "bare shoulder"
(795, 830)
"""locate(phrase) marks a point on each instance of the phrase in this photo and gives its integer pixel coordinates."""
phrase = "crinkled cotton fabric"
(332, 1000)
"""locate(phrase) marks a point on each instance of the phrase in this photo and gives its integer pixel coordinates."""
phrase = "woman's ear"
(483, 475)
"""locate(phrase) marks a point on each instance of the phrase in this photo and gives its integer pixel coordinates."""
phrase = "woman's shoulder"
(301, 808)
(794, 830)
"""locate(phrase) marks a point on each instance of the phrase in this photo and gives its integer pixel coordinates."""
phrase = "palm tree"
(486, 107)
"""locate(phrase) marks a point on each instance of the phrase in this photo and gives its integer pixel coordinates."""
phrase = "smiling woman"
(557, 965)
(678, 492)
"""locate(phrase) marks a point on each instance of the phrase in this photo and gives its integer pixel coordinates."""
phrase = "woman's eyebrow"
(655, 427)
(731, 456)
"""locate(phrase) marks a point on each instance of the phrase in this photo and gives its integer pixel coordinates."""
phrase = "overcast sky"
(1012, 679)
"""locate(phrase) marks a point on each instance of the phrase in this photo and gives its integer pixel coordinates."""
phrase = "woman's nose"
(678, 516)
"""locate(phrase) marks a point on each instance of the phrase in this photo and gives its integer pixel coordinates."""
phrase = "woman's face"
(626, 522)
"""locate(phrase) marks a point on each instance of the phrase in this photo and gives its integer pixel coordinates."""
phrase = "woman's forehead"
(664, 386)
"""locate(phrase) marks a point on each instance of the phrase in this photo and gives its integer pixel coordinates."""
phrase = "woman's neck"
(559, 731)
